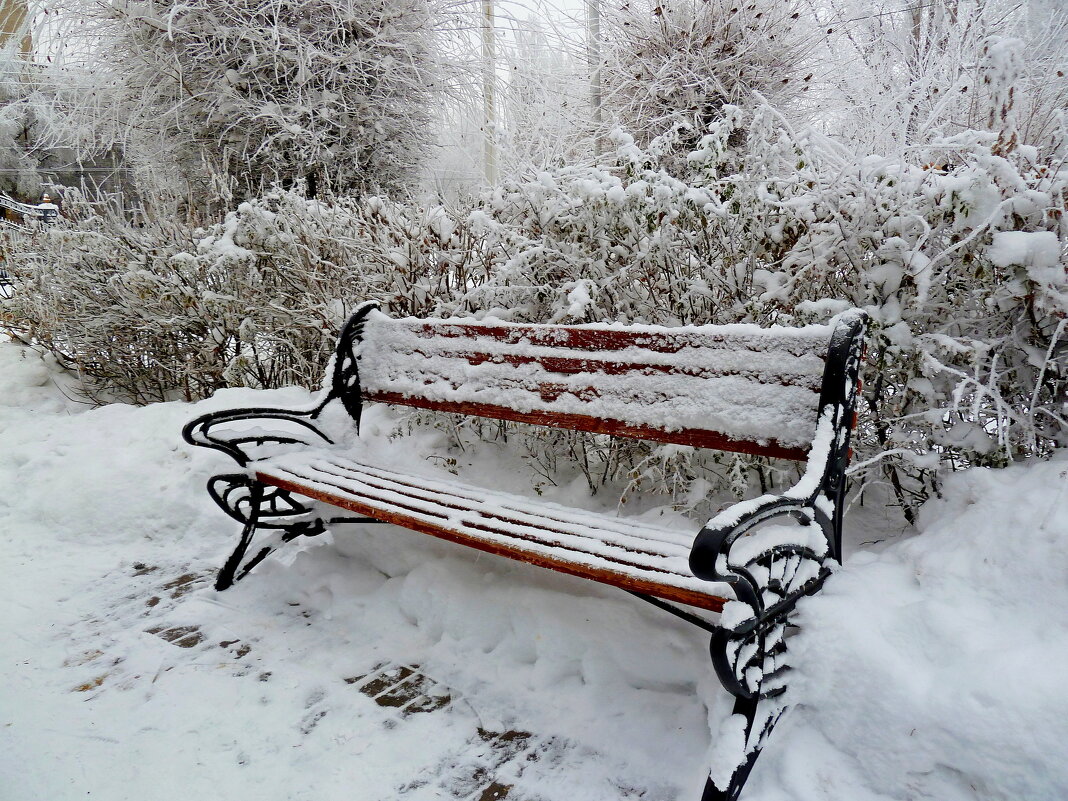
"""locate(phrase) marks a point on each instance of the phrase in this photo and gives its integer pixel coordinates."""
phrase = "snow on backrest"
(733, 387)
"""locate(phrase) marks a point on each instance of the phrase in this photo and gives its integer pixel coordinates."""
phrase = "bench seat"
(633, 555)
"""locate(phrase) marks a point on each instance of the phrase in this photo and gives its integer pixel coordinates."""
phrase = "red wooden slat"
(462, 498)
(578, 422)
(563, 515)
(594, 339)
(575, 365)
(489, 522)
(393, 515)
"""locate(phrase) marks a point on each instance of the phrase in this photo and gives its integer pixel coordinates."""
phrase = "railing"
(46, 215)
(27, 212)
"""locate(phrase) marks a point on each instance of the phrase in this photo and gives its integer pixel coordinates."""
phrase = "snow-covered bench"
(781, 392)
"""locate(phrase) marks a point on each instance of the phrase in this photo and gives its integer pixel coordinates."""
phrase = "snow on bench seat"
(633, 555)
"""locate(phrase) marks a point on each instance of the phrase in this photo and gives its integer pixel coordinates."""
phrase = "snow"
(1039, 249)
(1039, 252)
(935, 667)
(930, 666)
(727, 379)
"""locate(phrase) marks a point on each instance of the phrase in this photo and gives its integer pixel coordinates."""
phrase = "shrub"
(161, 311)
(328, 95)
(961, 267)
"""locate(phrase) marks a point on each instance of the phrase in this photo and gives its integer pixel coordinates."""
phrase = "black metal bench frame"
(748, 656)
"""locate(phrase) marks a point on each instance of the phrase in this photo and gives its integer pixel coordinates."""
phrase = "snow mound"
(929, 668)
(935, 668)
(31, 382)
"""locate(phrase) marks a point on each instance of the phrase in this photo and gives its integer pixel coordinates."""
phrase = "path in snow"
(130, 678)
(382, 705)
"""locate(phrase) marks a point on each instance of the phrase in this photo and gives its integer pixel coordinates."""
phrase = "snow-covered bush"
(957, 253)
(160, 311)
(672, 65)
(962, 270)
(333, 95)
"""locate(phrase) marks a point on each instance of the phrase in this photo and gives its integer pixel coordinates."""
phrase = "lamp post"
(489, 77)
(593, 47)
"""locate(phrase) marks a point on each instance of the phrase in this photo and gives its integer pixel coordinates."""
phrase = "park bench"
(779, 392)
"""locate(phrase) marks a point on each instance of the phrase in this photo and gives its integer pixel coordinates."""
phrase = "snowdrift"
(929, 667)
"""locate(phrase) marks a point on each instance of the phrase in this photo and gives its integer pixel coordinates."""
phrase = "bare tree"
(672, 65)
(898, 78)
(20, 152)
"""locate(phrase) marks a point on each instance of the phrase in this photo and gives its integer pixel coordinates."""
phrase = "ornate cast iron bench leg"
(747, 709)
(259, 508)
(750, 663)
(749, 649)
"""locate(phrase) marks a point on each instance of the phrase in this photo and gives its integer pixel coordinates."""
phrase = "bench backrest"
(740, 388)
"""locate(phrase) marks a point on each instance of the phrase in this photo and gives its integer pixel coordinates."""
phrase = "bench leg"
(759, 721)
(238, 564)
(270, 517)
(750, 666)
(750, 656)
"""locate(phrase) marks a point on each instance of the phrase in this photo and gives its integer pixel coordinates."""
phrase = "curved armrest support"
(209, 431)
(729, 549)
(718, 554)
(769, 570)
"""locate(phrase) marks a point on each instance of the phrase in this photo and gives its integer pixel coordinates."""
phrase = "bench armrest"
(725, 548)
(223, 431)
(729, 549)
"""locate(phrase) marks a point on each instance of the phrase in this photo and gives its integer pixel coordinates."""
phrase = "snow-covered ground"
(388, 665)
